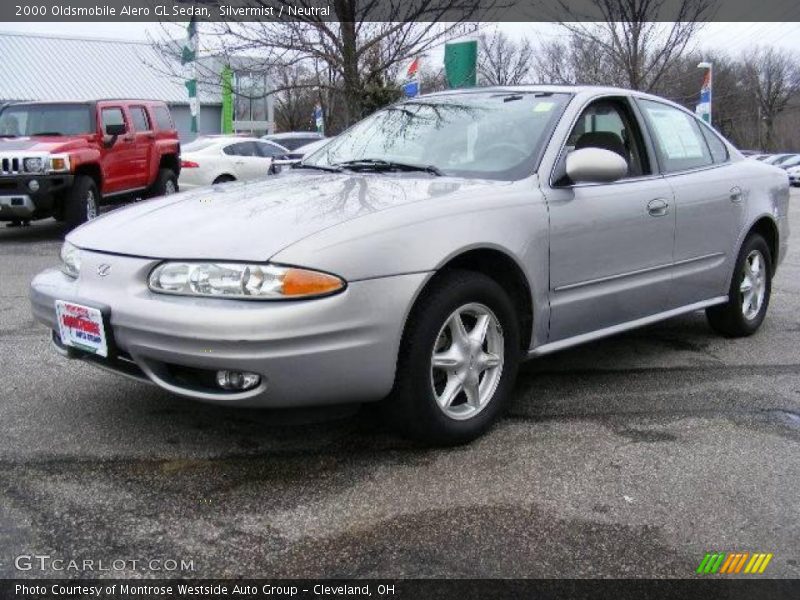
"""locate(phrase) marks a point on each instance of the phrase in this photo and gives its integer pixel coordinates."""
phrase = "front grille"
(10, 166)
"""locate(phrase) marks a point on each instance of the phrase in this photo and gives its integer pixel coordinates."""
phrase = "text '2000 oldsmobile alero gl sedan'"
(422, 254)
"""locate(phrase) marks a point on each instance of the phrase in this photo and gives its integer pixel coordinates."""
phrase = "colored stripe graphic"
(734, 562)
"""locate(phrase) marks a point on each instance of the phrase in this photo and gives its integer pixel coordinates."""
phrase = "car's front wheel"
(749, 294)
(458, 360)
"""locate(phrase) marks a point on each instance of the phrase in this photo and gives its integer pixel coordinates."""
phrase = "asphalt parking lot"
(629, 457)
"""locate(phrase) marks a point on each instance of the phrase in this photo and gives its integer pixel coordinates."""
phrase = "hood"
(252, 221)
(52, 144)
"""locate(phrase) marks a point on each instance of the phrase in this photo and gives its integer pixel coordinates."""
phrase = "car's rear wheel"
(458, 360)
(224, 179)
(749, 294)
(165, 184)
(82, 202)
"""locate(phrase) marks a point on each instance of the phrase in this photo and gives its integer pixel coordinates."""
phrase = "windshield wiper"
(46, 133)
(331, 169)
(379, 164)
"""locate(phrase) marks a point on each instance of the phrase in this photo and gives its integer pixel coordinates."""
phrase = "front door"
(248, 162)
(117, 172)
(611, 244)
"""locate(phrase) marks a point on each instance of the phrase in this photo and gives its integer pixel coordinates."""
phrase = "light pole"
(704, 108)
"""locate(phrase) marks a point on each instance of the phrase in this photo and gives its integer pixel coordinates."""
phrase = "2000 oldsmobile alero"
(420, 255)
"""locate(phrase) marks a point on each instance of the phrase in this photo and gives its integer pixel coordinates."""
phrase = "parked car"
(64, 159)
(790, 162)
(777, 159)
(218, 159)
(794, 175)
(424, 253)
(295, 156)
(293, 139)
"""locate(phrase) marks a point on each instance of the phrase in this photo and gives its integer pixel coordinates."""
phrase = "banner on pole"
(461, 63)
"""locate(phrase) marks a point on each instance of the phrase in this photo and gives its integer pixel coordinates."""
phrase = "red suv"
(63, 159)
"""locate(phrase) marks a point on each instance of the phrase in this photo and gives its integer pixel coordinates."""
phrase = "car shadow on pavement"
(38, 231)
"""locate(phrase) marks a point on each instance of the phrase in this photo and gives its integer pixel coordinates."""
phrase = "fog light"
(237, 380)
(33, 185)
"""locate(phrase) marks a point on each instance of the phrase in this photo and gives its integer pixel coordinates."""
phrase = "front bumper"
(19, 201)
(338, 349)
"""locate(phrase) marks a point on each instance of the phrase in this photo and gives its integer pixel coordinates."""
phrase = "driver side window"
(610, 125)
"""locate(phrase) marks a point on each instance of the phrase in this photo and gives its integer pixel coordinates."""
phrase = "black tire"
(79, 200)
(412, 407)
(165, 184)
(729, 319)
(224, 179)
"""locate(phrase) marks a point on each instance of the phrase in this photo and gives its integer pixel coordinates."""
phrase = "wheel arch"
(170, 161)
(92, 170)
(502, 268)
(768, 229)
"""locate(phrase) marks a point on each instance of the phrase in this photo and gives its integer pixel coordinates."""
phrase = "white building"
(60, 68)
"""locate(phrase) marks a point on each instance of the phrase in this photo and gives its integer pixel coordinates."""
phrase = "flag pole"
(189, 62)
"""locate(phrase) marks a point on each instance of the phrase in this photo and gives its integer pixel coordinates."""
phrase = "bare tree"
(356, 47)
(294, 104)
(636, 41)
(502, 61)
(577, 60)
(774, 78)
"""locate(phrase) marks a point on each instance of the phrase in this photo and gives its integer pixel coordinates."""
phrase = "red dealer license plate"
(81, 327)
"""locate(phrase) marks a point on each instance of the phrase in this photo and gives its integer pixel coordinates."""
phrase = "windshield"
(50, 119)
(485, 134)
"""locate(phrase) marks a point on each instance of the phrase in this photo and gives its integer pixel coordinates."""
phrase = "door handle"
(657, 207)
(736, 194)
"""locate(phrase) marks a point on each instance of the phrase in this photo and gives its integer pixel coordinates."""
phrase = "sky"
(731, 37)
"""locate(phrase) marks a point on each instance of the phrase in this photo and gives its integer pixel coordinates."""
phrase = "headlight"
(242, 281)
(70, 260)
(58, 163)
(33, 165)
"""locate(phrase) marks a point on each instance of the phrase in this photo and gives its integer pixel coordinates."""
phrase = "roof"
(61, 68)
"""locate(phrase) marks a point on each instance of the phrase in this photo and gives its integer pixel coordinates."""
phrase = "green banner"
(227, 100)
(461, 63)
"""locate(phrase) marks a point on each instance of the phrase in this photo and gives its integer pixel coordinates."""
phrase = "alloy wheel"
(754, 285)
(467, 361)
(91, 205)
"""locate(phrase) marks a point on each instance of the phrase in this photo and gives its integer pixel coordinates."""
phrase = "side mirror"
(595, 165)
(115, 130)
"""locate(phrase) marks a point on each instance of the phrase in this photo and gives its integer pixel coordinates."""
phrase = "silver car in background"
(418, 257)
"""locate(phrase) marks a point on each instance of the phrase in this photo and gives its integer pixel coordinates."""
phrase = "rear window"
(163, 118)
(199, 144)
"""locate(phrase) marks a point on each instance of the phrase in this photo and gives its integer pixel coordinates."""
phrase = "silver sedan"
(421, 255)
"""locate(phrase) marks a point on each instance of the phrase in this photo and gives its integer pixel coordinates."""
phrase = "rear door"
(143, 142)
(709, 195)
(610, 244)
(118, 175)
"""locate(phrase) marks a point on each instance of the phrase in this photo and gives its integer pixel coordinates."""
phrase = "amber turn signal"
(299, 282)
